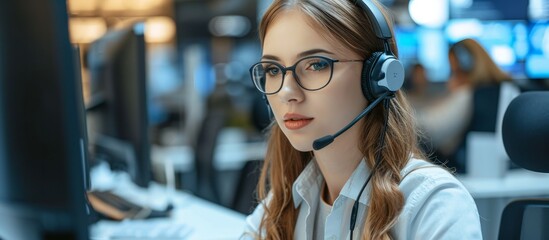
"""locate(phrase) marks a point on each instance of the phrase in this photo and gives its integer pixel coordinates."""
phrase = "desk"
(207, 220)
(493, 194)
(227, 155)
(232, 151)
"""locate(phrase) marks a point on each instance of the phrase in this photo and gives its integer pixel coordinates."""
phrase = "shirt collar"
(307, 183)
(310, 180)
(355, 182)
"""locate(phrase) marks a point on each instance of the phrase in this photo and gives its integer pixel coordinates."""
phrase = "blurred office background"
(204, 118)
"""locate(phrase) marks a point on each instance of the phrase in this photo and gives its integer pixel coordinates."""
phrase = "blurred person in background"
(474, 90)
(417, 83)
(417, 86)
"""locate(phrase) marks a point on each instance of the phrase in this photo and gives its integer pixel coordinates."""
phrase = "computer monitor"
(407, 41)
(425, 46)
(42, 194)
(81, 109)
(537, 61)
(490, 9)
(118, 102)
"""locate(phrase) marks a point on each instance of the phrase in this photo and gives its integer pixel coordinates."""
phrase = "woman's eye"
(317, 66)
(273, 71)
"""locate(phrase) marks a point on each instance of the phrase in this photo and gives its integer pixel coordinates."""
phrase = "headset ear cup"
(366, 82)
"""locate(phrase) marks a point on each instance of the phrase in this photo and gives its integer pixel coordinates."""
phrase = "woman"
(310, 194)
(478, 91)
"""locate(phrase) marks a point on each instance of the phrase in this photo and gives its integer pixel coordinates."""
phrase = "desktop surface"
(514, 184)
(492, 194)
(191, 218)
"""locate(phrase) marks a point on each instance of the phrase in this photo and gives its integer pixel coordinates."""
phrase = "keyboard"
(150, 229)
(115, 207)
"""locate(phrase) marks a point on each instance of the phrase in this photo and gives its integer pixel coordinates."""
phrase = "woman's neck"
(337, 163)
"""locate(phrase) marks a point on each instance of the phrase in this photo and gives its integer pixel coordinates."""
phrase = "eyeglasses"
(311, 73)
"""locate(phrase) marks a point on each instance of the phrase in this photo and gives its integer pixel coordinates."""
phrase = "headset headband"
(381, 27)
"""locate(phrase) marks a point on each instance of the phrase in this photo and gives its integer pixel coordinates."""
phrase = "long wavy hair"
(346, 24)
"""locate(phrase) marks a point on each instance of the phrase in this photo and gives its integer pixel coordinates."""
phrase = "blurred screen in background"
(537, 61)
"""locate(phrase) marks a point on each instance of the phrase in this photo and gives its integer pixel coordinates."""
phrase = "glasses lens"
(267, 77)
(314, 73)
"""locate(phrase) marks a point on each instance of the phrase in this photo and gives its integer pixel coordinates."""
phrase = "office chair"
(206, 174)
(525, 132)
(245, 197)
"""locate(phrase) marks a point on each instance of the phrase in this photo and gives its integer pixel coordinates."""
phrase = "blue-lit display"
(406, 38)
(537, 61)
(489, 9)
(428, 47)
(519, 48)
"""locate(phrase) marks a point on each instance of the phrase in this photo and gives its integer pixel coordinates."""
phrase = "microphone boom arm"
(324, 141)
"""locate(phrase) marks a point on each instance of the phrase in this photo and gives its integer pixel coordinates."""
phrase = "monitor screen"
(425, 46)
(407, 43)
(505, 41)
(489, 9)
(538, 10)
(119, 130)
(537, 61)
(42, 194)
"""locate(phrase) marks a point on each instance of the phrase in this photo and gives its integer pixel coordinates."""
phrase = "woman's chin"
(302, 146)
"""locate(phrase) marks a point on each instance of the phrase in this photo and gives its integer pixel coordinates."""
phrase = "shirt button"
(332, 237)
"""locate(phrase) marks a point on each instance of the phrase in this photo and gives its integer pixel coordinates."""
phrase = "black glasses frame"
(296, 77)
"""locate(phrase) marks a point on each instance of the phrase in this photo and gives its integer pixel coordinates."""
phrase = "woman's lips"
(294, 121)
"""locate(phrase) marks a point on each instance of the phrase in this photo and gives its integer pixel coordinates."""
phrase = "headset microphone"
(326, 140)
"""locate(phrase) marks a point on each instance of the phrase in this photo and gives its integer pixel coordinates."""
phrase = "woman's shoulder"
(423, 182)
(428, 190)
(421, 176)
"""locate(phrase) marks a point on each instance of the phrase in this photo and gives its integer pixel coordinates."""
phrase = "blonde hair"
(347, 24)
(484, 69)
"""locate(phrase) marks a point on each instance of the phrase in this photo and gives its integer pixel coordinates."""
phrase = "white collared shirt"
(437, 205)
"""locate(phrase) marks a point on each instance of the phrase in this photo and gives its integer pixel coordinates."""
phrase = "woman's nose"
(290, 91)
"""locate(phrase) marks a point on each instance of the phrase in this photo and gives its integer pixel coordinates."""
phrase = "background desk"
(229, 157)
(493, 194)
(206, 220)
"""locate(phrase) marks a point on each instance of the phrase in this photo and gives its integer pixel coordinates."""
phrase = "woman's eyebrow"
(270, 57)
(313, 51)
(300, 55)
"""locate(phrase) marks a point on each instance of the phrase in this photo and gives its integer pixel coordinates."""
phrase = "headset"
(382, 71)
(464, 57)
